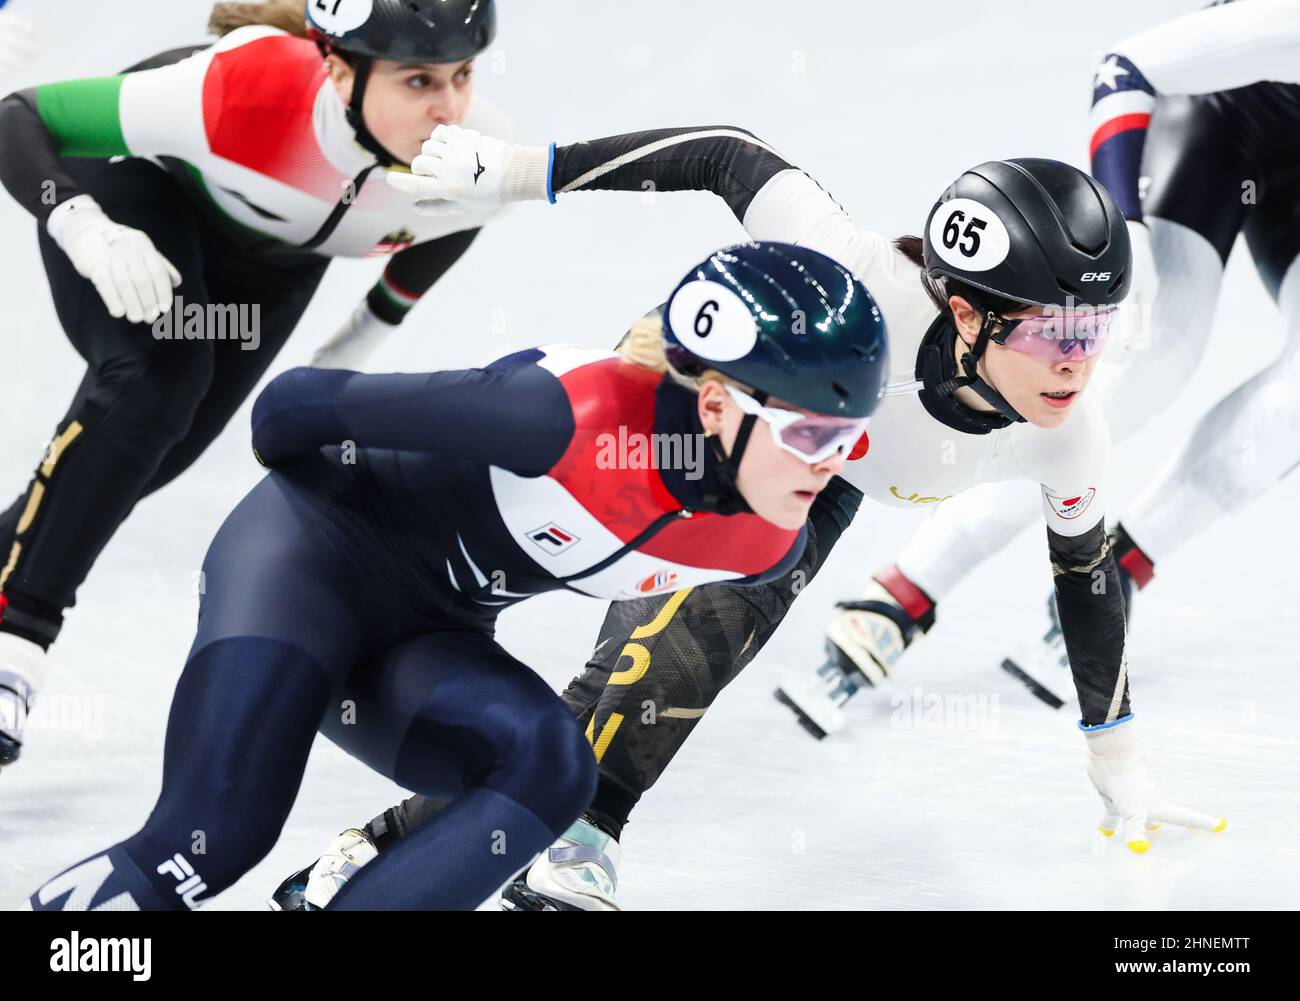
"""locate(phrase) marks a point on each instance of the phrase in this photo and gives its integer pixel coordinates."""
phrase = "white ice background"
(884, 104)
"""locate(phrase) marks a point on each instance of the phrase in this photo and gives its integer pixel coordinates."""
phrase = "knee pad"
(517, 738)
(553, 770)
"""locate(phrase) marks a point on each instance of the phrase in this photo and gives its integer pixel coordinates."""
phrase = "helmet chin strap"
(729, 500)
(361, 66)
(974, 381)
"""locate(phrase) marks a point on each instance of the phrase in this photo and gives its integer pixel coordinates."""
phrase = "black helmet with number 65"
(1029, 232)
(1012, 234)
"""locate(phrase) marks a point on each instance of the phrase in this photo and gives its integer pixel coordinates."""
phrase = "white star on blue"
(1108, 73)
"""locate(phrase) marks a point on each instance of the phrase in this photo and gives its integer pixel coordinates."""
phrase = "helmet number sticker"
(711, 321)
(968, 235)
(704, 318)
(969, 238)
(337, 17)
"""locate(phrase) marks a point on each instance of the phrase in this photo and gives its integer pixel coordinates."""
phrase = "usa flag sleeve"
(1219, 48)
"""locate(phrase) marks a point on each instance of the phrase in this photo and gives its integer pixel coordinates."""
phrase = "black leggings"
(147, 407)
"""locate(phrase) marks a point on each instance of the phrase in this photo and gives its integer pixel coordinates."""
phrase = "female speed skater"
(202, 194)
(996, 319)
(1206, 108)
(406, 511)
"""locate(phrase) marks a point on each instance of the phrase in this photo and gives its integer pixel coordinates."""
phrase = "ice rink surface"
(884, 104)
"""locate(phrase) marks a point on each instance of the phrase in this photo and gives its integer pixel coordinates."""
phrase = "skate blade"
(805, 720)
(1043, 693)
(518, 896)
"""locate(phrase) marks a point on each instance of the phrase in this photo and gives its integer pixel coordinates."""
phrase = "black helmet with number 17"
(404, 31)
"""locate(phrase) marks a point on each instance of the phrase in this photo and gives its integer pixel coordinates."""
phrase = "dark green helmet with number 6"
(1029, 232)
(403, 31)
(788, 321)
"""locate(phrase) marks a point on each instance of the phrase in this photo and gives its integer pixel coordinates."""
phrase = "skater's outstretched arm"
(515, 415)
(1091, 607)
(1090, 604)
(462, 171)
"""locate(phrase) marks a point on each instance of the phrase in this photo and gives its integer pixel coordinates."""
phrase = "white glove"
(1133, 803)
(355, 342)
(132, 278)
(17, 42)
(1145, 286)
(463, 172)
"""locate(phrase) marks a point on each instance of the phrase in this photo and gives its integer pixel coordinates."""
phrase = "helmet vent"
(1072, 290)
(840, 390)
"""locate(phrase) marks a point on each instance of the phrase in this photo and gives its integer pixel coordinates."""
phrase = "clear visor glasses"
(813, 438)
(1079, 332)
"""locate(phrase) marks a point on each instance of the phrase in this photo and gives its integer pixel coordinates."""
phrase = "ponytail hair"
(287, 15)
(643, 346)
(939, 289)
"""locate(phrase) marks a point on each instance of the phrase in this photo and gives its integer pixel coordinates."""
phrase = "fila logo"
(551, 538)
(1070, 508)
(1095, 276)
(657, 581)
(191, 884)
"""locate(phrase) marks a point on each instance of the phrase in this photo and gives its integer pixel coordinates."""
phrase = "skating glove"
(17, 42)
(1133, 804)
(128, 272)
(463, 172)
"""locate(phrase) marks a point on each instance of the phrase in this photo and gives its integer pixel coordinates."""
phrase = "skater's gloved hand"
(132, 278)
(355, 342)
(18, 45)
(463, 172)
(1133, 804)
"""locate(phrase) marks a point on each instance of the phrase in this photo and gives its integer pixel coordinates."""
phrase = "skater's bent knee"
(546, 765)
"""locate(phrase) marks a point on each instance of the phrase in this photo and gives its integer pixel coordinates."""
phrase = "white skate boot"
(22, 674)
(577, 873)
(312, 888)
(864, 642)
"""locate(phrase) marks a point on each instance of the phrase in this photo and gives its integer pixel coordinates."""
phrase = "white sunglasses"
(812, 437)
